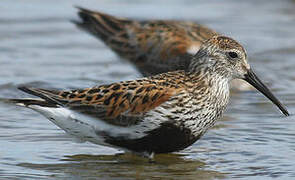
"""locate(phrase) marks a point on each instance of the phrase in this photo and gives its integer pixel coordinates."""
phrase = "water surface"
(40, 47)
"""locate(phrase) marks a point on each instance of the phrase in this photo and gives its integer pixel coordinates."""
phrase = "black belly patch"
(167, 138)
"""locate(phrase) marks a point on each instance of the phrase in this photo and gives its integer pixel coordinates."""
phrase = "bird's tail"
(113, 31)
(45, 101)
(28, 102)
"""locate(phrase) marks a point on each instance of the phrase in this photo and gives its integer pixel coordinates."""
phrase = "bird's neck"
(210, 97)
(209, 78)
(210, 86)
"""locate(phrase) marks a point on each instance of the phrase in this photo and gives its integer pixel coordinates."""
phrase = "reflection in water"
(166, 166)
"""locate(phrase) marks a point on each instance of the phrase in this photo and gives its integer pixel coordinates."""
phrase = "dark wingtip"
(39, 93)
(22, 87)
(28, 102)
(81, 9)
(26, 89)
(84, 14)
(77, 6)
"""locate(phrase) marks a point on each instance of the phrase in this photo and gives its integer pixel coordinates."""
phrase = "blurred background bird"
(153, 46)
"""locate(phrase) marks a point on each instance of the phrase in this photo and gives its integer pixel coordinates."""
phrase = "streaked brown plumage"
(159, 114)
(118, 100)
(154, 46)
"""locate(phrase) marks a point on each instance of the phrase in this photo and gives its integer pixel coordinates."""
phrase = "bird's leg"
(150, 156)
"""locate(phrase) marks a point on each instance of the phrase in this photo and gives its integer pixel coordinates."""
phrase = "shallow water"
(39, 46)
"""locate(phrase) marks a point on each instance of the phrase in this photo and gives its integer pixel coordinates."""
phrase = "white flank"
(87, 128)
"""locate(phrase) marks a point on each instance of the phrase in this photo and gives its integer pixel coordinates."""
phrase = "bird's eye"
(232, 55)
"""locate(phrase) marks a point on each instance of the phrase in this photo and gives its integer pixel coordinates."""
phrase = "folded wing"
(121, 104)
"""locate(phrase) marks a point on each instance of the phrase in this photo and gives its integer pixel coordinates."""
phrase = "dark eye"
(232, 55)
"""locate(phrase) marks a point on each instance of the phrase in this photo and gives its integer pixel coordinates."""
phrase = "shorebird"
(158, 114)
(153, 46)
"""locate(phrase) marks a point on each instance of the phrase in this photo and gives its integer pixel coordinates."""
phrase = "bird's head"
(225, 57)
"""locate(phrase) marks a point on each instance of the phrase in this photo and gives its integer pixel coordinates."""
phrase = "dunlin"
(159, 114)
(155, 46)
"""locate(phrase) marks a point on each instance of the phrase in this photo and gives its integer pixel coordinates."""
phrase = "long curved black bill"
(251, 78)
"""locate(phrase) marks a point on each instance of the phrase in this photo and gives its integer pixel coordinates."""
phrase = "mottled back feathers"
(121, 103)
(154, 46)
